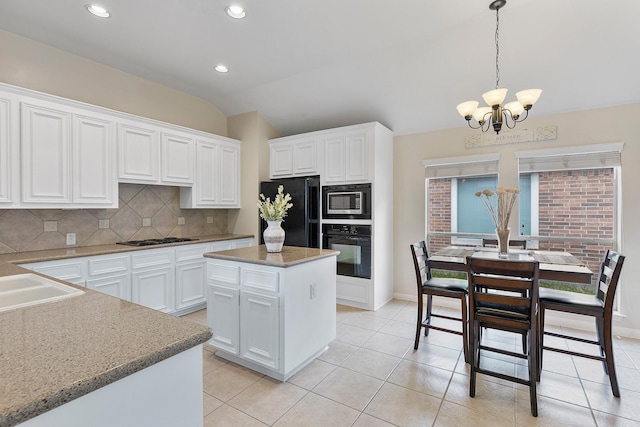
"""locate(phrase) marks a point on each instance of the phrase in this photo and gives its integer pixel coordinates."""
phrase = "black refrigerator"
(302, 223)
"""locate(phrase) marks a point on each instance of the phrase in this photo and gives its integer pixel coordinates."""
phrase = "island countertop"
(290, 255)
(55, 352)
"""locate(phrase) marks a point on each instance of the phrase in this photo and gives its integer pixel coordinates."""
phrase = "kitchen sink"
(22, 290)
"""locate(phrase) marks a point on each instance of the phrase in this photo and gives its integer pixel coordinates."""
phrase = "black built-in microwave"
(351, 201)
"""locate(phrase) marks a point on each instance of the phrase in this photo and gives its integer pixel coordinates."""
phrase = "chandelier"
(495, 114)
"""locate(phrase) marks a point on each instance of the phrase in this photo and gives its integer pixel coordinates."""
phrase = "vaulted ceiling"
(313, 64)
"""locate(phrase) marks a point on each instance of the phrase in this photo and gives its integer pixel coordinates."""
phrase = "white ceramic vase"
(273, 236)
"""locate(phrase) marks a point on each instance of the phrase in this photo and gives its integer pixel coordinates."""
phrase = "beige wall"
(617, 124)
(254, 132)
(35, 66)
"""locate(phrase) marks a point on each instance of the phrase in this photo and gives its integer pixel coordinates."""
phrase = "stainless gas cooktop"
(151, 242)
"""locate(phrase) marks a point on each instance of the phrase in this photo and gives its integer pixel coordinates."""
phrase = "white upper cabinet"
(94, 161)
(68, 157)
(177, 158)
(46, 154)
(153, 155)
(9, 149)
(294, 157)
(347, 158)
(138, 151)
(217, 175)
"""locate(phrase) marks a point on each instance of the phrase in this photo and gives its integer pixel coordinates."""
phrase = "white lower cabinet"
(274, 320)
(72, 270)
(152, 279)
(109, 274)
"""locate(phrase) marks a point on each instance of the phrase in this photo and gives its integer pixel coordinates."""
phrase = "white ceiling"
(313, 64)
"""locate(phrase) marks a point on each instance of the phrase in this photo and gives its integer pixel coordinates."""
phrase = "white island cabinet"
(272, 312)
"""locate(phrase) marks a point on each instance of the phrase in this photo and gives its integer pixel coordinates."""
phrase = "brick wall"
(577, 203)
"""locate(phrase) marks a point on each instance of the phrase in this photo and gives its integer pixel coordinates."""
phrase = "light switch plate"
(71, 239)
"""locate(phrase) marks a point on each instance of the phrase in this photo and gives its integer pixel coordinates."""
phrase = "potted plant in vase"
(499, 208)
(274, 213)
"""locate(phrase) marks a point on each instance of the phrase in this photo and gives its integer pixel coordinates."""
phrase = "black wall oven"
(346, 201)
(354, 244)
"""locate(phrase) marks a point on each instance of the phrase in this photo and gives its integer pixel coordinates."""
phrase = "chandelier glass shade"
(495, 114)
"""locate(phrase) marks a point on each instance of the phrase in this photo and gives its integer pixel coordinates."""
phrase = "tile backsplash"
(145, 212)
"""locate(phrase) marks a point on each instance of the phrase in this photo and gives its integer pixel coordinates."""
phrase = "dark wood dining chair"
(503, 295)
(493, 243)
(599, 306)
(441, 287)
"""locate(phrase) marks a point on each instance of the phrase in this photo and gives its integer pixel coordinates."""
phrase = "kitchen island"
(272, 312)
(97, 360)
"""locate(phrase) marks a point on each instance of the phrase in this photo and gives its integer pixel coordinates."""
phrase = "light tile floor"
(371, 376)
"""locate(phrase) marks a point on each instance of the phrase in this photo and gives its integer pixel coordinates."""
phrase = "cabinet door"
(72, 270)
(335, 161)
(281, 160)
(357, 157)
(223, 316)
(138, 155)
(153, 288)
(260, 329)
(229, 177)
(7, 133)
(305, 158)
(46, 143)
(116, 286)
(207, 185)
(94, 176)
(177, 159)
(190, 284)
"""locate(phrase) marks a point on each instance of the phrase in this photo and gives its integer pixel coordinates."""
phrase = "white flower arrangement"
(500, 209)
(276, 210)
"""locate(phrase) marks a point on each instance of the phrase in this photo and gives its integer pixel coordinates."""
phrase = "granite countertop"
(289, 256)
(81, 251)
(55, 352)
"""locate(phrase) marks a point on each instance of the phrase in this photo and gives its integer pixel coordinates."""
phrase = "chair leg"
(608, 344)
(427, 319)
(473, 349)
(601, 341)
(533, 373)
(419, 324)
(540, 339)
(465, 328)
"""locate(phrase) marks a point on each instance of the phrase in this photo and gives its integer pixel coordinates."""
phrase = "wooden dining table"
(554, 265)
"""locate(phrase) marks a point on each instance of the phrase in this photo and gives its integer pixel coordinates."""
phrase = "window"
(453, 214)
(572, 203)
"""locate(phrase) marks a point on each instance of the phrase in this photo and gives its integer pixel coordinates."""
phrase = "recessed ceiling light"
(221, 69)
(235, 11)
(98, 10)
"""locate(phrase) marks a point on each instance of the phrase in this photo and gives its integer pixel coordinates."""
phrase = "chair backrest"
(503, 288)
(420, 256)
(608, 278)
(522, 244)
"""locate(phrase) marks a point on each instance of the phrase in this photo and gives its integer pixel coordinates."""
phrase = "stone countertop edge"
(82, 251)
(33, 392)
(290, 255)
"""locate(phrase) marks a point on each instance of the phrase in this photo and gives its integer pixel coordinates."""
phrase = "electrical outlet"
(71, 239)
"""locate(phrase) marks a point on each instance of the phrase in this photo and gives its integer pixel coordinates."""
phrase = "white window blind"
(453, 167)
(570, 158)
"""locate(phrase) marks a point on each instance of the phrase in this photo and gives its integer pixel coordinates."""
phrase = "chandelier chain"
(497, 48)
